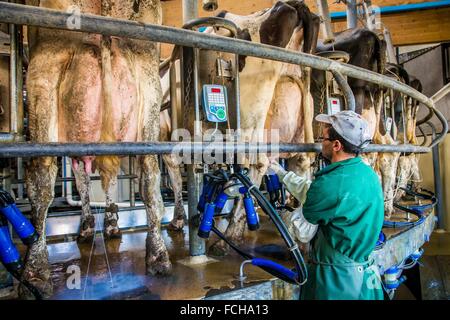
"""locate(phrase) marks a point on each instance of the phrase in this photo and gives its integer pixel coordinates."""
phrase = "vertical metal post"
(13, 98)
(132, 189)
(173, 97)
(238, 99)
(20, 176)
(325, 22)
(392, 57)
(437, 181)
(352, 16)
(196, 244)
(190, 10)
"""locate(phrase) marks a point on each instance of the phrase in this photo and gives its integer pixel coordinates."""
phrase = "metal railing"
(46, 18)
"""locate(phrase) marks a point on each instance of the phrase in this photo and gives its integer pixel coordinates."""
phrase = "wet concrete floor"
(127, 279)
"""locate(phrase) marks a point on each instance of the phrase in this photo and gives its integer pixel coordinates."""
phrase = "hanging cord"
(97, 227)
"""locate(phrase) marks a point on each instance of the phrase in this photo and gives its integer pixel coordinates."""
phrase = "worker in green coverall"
(343, 211)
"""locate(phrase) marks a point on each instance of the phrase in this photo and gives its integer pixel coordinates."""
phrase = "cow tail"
(310, 23)
(381, 59)
(108, 166)
(380, 54)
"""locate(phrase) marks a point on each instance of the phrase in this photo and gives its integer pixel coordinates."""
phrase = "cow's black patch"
(136, 6)
(310, 24)
(243, 35)
(277, 29)
(222, 14)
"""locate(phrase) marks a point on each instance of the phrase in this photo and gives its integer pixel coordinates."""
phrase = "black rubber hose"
(37, 295)
(267, 207)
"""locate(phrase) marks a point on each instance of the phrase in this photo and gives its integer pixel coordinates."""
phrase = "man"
(342, 210)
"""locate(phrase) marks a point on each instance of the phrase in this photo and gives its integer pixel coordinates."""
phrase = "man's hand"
(298, 226)
(277, 169)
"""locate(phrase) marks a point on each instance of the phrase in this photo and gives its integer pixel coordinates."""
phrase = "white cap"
(350, 126)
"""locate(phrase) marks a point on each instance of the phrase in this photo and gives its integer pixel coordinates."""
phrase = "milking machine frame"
(46, 18)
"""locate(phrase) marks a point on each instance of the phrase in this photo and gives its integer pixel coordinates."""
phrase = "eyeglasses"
(321, 139)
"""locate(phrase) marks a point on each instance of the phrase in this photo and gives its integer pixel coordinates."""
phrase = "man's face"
(327, 145)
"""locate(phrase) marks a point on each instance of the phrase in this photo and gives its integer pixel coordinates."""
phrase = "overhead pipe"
(401, 8)
(441, 93)
(437, 180)
(41, 17)
(435, 98)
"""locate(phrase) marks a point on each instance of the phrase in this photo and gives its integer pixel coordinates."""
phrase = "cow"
(92, 88)
(275, 26)
(292, 108)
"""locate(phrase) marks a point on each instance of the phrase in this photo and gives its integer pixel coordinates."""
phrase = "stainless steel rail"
(9, 150)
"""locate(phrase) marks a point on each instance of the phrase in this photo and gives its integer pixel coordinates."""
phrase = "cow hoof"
(40, 282)
(159, 265)
(44, 288)
(218, 249)
(176, 225)
(111, 229)
(112, 233)
(85, 237)
(87, 230)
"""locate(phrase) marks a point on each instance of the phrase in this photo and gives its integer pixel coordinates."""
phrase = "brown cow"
(89, 88)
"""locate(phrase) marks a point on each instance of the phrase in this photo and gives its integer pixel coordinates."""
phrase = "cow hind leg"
(388, 169)
(40, 180)
(179, 216)
(87, 223)
(157, 257)
(403, 173)
(109, 169)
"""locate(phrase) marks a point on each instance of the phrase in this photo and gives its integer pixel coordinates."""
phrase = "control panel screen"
(215, 104)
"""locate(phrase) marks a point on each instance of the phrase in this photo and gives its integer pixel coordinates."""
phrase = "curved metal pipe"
(40, 17)
(212, 21)
(348, 93)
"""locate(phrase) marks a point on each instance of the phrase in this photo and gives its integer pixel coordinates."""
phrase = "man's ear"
(337, 146)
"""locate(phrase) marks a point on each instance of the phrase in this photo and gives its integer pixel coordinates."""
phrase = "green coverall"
(346, 201)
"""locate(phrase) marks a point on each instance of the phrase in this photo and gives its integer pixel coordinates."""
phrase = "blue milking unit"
(220, 186)
(9, 256)
(393, 277)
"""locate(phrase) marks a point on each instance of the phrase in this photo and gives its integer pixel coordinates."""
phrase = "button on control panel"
(215, 102)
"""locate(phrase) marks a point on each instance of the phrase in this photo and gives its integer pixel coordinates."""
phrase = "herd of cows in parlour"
(85, 87)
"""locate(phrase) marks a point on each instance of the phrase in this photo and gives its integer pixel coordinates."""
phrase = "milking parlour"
(243, 151)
